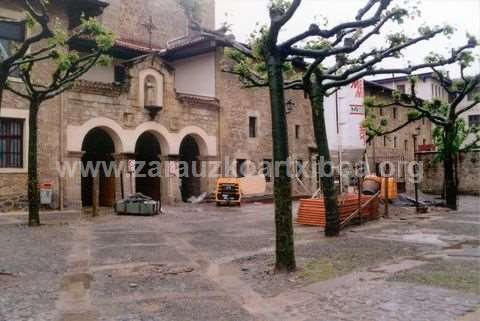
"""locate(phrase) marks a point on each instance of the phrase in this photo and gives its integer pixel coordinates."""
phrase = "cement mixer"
(373, 184)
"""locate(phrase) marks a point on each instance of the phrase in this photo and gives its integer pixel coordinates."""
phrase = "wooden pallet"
(312, 211)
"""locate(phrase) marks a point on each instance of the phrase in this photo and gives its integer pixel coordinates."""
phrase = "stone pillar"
(73, 180)
(170, 180)
(125, 178)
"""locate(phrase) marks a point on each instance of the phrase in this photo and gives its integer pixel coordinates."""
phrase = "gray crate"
(142, 208)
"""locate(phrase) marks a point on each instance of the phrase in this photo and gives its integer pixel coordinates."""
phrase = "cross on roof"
(150, 28)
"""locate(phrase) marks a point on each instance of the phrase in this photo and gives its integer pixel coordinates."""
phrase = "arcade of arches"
(153, 177)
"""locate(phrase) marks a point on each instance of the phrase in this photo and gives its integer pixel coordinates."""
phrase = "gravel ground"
(35, 257)
(453, 274)
(321, 261)
(207, 263)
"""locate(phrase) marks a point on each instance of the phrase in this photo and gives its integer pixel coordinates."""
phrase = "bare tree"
(36, 15)
(51, 49)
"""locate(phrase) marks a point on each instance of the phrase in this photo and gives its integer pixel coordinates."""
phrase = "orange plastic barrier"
(312, 211)
(392, 187)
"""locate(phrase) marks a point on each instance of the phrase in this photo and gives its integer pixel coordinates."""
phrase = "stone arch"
(98, 147)
(155, 76)
(76, 135)
(163, 136)
(206, 144)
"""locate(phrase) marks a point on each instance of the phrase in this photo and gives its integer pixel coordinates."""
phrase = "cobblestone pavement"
(205, 263)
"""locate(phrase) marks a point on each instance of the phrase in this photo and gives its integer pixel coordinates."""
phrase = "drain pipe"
(61, 151)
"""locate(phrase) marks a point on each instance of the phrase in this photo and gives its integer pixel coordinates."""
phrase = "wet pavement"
(206, 263)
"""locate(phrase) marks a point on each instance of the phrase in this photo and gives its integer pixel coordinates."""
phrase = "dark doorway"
(189, 164)
(147, 152)
(99, 148)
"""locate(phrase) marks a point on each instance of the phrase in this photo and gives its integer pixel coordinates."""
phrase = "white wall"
(196, 75)
(423, 88)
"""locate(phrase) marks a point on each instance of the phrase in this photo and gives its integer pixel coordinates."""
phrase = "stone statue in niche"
(150, 92)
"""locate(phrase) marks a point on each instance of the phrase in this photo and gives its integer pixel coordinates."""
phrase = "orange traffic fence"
(312, 211)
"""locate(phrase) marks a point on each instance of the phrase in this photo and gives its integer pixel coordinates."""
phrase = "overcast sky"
(462, 14)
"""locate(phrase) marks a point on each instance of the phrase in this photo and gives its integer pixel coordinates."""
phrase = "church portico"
(155, 152)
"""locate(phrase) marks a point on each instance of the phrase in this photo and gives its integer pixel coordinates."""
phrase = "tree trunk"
(33, 191)
(3, 81)
(285, 250)
(332, 227)
(449, 169)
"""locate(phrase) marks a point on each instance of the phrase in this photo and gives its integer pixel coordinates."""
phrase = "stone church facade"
(164, 99)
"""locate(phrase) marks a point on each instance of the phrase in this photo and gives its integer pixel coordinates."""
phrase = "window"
(405, 143)
(394, 112)
(297, 131)
(11, 33)
(424, 141)
(11, 143)
(395, 142)
(401, 88)
(299, 169)
(423, 121)
(433, 90)
(252, 127)
(241, 167)
(381, 111)
(474, 120)
(120, 75)
(267, 169)
(385, 141)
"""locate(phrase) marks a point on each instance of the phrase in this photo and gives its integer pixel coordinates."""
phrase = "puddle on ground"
(425, 238)
(422, 236)
(463, 245)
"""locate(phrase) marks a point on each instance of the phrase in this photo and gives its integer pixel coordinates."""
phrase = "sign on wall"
(351, 114)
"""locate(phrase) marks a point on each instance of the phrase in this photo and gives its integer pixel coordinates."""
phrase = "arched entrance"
(147, 151)
(189, 153)
(99, 148)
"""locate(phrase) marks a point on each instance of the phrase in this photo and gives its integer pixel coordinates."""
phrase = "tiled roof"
(186, 41)
(136, 45)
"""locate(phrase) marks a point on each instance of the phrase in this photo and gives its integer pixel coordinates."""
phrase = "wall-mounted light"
(289, 106)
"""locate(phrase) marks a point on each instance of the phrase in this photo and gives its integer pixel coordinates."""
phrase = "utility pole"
(415, 168)
(339, 139)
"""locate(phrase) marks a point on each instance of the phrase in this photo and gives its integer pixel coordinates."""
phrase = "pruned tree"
(306, 64)
(50, 48)
(266, 48)
(450, 132)
(36, 14)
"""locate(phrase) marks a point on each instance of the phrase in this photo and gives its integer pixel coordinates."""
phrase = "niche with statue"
(151, 92)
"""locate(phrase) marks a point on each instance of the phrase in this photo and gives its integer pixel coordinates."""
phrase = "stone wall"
(13, 184)
(128, 17)
(468, 169)
(398, 146)
(238, 104)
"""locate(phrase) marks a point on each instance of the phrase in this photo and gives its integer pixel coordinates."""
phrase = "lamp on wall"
(289, 106)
